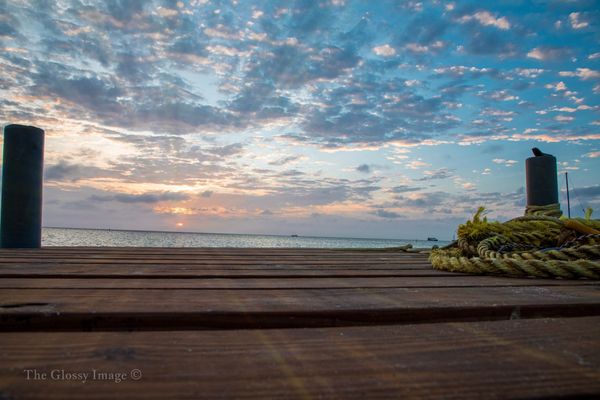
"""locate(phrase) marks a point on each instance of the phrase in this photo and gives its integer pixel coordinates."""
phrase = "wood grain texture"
(289, 323)
(149, 309)
(543, 358)
(281, 282)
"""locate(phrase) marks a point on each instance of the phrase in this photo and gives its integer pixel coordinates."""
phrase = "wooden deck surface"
(286, 323)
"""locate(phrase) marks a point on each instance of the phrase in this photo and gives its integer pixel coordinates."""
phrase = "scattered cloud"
(577, 21)
(558, 87)
(233, 114)
(285, 160)
(417, 164)
(564, 118)
(547, 53)
(387, 214)
(506, 163)
(485, 18)
(589, 193)
(364, 168)
(149, 198)
(583, 73)
(384, 50)
(441, 173)
(404, 189)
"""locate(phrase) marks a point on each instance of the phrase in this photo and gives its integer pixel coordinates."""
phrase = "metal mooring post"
(541, 179)
(22, 181)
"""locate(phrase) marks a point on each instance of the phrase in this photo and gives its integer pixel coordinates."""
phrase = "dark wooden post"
(541, 178)
(22, 182)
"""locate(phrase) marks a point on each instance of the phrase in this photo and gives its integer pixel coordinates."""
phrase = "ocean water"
(118, 238)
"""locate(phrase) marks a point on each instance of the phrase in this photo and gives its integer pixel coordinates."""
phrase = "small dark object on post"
(537, 152)
(22, 183)
(541, 179)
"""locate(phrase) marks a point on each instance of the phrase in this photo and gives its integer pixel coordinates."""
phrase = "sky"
(382, 119)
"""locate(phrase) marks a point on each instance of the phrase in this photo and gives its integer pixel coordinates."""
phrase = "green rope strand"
(525, 246)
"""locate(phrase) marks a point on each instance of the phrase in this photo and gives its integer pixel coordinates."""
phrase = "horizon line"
(248, 234)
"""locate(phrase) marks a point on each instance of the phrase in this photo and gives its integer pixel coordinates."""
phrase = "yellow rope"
(540, 244)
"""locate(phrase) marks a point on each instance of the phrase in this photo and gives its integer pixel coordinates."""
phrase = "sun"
(179, 224)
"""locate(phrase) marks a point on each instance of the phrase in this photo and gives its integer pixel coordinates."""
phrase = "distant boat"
(432, 239)
(294, 235)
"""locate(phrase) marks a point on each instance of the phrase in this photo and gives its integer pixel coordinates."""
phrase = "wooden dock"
(158, 323)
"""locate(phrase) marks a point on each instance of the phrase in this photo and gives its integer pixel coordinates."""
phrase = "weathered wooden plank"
(219, 263)
(300, 299)
(201, 252)
(118, 309)
(544, 358)
(282, 282)
(173, 272)
(217, 251)
(205, 250)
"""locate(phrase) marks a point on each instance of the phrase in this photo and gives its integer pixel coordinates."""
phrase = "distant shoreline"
(237, 234)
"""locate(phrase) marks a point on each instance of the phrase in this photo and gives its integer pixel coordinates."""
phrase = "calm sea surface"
(99, 237)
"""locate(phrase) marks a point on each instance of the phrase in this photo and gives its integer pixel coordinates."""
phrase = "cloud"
(285, 160)
(364, 168)
(499, 95)
(558, 87)
(387, 214)
(457, 71)
(593, 154)
(563, 118)
(506, 163)
(417, 48)
(485, 18)
(148, 198)
(64, 171)
(529, 72)
(589, 193)
(441, 173)
(416, 164)
(577, 21)
(468, 185)
(292, 66)
(425, 200)
(497, 113)
(228, 150)
(484, 42)
(425, 29)
(384, 50)
(548, 53)
(372, 111)
(167, 12)
(92, 92)
(199, 98)
(404, 189)
(583, 73)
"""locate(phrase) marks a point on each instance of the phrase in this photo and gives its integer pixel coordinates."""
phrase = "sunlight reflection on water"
(111, 238)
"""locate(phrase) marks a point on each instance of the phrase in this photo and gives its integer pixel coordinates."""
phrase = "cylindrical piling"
(541, 179)
(22, 184)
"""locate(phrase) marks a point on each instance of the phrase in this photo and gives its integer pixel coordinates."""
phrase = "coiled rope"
(539, 244)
